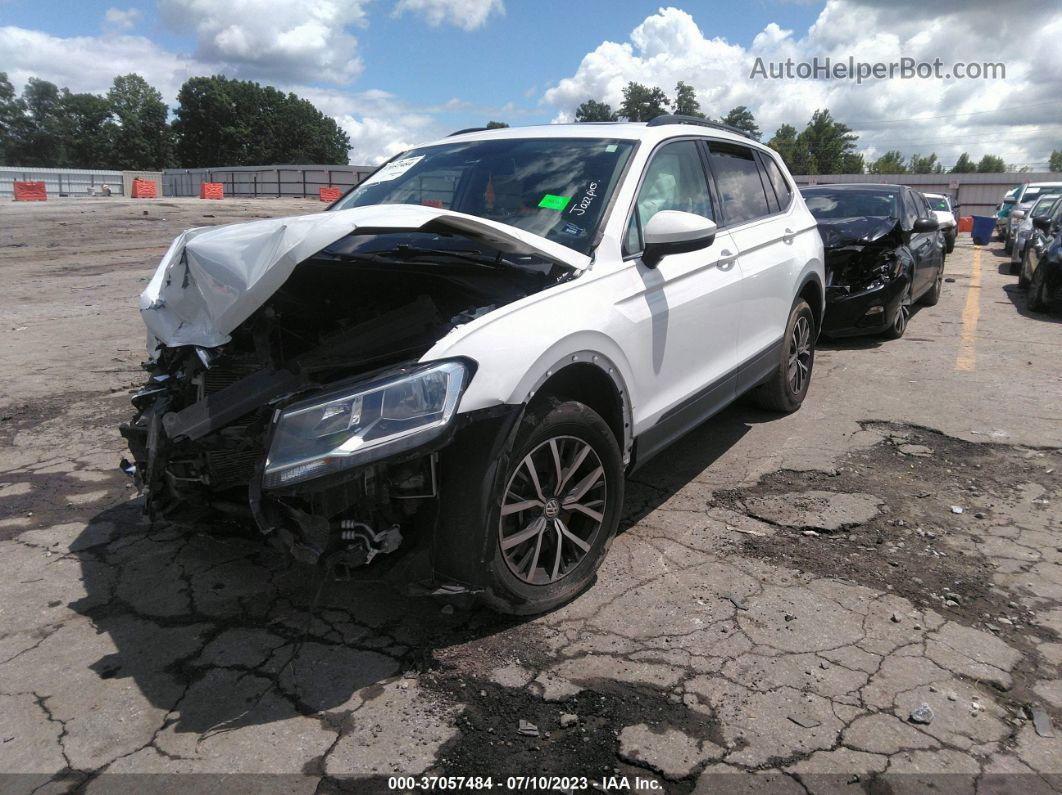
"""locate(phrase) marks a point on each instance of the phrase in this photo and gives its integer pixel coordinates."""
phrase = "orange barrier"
(965, 223)
(330, 194)
(30, 192)
(145, 189)
(211, 190)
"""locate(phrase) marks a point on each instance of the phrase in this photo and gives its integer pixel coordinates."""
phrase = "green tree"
(237, 122)
(794, 154)
(852, 163)
(12, 122)
(925, 165)
(88, 130)
(827, 143)
(892, 162)
(496, 125)
(686, 103)
(964, 165)
(41, 140)
(991, 164)
(1055, 161)
(142, 138)
(641, 103)
(742, 118)
(592, 110)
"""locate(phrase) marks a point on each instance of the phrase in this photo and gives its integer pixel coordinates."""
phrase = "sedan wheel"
(899, 322)
(553, 510)
(1023, 273)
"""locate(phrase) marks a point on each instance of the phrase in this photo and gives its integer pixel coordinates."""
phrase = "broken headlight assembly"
(363, 423)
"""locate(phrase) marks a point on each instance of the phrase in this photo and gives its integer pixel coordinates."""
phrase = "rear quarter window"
(778, 181)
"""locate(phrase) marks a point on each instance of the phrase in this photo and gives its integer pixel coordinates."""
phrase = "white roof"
(633, 131)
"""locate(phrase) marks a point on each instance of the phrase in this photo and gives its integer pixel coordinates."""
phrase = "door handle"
(726, 260)
(789, 235)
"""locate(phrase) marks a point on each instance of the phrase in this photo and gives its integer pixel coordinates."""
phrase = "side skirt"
(686, 416)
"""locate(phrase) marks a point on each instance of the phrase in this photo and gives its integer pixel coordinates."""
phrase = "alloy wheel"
(799, 355)
(552, 510)
(899, 324)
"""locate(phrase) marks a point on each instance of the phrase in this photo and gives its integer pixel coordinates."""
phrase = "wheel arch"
(811, 290)
(592, 378)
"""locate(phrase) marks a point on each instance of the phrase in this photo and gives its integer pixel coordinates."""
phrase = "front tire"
(932, 296)
(1036, 297)
(786, 388)
(1023, 273)
(558, 508)
(899, 320)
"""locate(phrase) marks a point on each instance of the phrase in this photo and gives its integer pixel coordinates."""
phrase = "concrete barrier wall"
(60, 182)
(255, 181)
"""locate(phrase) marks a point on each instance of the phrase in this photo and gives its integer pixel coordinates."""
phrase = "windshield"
(1043, 206)
(554, 187)
(938, 203)
(1032, 193)
(826, 204)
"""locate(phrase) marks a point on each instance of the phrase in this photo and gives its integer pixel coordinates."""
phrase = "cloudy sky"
(398, 72)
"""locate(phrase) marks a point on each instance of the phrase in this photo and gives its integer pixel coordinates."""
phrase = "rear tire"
(555, 509)
(788, 385)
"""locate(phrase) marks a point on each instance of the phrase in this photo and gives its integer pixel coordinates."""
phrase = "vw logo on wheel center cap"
(552, 509)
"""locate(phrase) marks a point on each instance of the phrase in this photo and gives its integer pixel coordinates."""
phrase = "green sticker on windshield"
(551, 202)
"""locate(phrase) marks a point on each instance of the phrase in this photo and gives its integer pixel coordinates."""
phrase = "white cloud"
(668, 46)
(296, 40)
(115, 20)
(374, 138)
(465, 14)
(90, 63)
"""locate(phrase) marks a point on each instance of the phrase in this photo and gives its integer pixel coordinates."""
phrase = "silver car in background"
(1043, 206)
(942, 208)
(1025, 199)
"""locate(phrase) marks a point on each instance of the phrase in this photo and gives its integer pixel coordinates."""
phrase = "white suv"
(450, 371)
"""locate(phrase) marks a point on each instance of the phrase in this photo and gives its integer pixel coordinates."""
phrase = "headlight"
(363, 423)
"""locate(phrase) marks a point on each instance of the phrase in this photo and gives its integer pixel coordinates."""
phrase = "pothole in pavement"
(919, 514)
(963, 528)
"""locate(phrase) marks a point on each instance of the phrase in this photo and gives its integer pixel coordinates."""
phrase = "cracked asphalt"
(863, 596)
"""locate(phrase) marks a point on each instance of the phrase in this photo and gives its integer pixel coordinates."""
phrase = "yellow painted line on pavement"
(967, 358)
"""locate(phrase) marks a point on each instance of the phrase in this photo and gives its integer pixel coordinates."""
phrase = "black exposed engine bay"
(205, 419)
(868, 272)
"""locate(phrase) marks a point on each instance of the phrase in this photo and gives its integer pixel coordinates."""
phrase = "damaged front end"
(868, 274)
(313, 416)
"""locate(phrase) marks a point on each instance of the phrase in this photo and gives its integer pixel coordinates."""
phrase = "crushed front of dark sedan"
(883, 253)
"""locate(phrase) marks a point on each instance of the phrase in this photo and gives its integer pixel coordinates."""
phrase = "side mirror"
(1017, 213)
(926, 225)
(675, 232)
(1043, 223)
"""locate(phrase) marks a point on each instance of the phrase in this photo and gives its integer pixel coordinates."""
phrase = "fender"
(550, 365)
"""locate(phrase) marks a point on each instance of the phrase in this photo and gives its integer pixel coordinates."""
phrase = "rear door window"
(737, 180)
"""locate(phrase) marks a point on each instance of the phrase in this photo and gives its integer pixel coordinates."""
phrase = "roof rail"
(467, 130)
(677, 119)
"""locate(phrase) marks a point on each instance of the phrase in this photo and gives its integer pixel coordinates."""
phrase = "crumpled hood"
(859, 230)
(213, 278)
